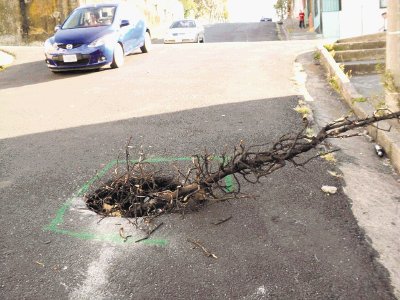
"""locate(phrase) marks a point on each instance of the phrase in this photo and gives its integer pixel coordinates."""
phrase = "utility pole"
(393, 55)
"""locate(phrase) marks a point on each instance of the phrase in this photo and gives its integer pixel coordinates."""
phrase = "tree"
(282, 8)
(189, 8)
(211, 9)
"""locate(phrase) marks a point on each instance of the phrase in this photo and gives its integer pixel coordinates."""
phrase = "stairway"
(293, 32)
(361, 55)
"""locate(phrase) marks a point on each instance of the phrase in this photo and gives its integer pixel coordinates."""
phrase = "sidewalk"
(5, 59)
(362, 94)
(292, 31)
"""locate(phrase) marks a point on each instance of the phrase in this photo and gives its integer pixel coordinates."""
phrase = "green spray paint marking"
(115, 238)
(60, 213)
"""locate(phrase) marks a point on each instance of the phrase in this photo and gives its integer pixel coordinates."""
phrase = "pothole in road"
(133, 197)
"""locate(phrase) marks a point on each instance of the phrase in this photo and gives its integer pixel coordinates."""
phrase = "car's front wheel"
(147, 43)
(118, 56)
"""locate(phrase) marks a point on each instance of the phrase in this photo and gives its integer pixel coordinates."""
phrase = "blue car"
(94, 36)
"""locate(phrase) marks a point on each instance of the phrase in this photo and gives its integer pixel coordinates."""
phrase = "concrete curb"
(283, 31)
(390, 141)
(5, 59)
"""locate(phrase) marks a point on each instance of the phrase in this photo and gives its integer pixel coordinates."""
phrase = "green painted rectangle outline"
(115, 238)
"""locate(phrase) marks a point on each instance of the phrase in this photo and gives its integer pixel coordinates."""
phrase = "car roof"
(99, 5)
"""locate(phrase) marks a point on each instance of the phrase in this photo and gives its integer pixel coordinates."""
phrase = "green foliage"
(282, 7)
(381, 105)
(212, 9)
(302, 109)
(329, 47)
(330, 157)
(310, 132)
(317, 55)
(333, 81)
(348, 74)
(380, 68)
(359, 100)
(389, 83)
(189, 7)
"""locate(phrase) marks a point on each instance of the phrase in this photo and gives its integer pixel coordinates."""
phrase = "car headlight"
(50, 46)
(109, 38)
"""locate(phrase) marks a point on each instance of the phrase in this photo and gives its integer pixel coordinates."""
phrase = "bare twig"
(222, 221)
(149, 233)
(206, 252)
(122, 234)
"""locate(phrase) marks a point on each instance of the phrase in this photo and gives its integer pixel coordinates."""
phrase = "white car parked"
(185, 31)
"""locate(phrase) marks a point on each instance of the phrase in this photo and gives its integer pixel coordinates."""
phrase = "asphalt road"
(241, 32)
(291, 241)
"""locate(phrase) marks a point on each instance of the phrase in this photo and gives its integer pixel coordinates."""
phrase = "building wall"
(10, 26)
(331, 24)
(360, 17)
(357, 17)
(317, 16)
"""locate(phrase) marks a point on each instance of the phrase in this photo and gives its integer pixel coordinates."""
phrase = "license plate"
(70, 58)
(178, 40)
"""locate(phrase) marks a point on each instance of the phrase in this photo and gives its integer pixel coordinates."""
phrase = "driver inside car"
(93, 19)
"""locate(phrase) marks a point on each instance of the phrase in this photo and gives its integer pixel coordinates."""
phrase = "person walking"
(301, 18)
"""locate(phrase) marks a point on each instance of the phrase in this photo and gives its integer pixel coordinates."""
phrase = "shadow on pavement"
(31, 73)
(288, 241)
(35, 72)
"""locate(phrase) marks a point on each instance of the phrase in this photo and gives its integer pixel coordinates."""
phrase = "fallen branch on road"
(142, 191)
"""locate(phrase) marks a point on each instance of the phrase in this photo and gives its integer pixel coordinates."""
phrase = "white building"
(348, 18)
(343, 18)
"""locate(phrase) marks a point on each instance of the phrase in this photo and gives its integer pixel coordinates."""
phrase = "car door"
(131, 26)
(138, 29)
(125, 28)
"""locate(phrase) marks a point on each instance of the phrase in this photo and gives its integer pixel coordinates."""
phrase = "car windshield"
(90, 17)
(183, 24)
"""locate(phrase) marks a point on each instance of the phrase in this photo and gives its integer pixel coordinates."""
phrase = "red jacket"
(301, 16)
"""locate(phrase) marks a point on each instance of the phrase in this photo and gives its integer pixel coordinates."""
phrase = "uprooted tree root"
(141, 191)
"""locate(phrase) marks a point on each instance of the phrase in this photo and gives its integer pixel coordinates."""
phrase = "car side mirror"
(57, 28)
(124, 23)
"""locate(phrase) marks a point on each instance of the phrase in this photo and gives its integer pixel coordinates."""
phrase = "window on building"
(382, 3)
(331, 5)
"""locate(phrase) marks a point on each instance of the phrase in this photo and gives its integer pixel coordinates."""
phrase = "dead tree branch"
(140, 192)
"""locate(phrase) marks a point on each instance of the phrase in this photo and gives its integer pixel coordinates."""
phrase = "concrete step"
(381, 36)
(304, 35)
(363, 67)
(359, 45)
(369, 86)
(363, 54)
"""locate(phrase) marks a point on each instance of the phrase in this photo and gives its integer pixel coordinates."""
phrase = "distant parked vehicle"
(94, 36)
(185, 31)
(263, 19)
